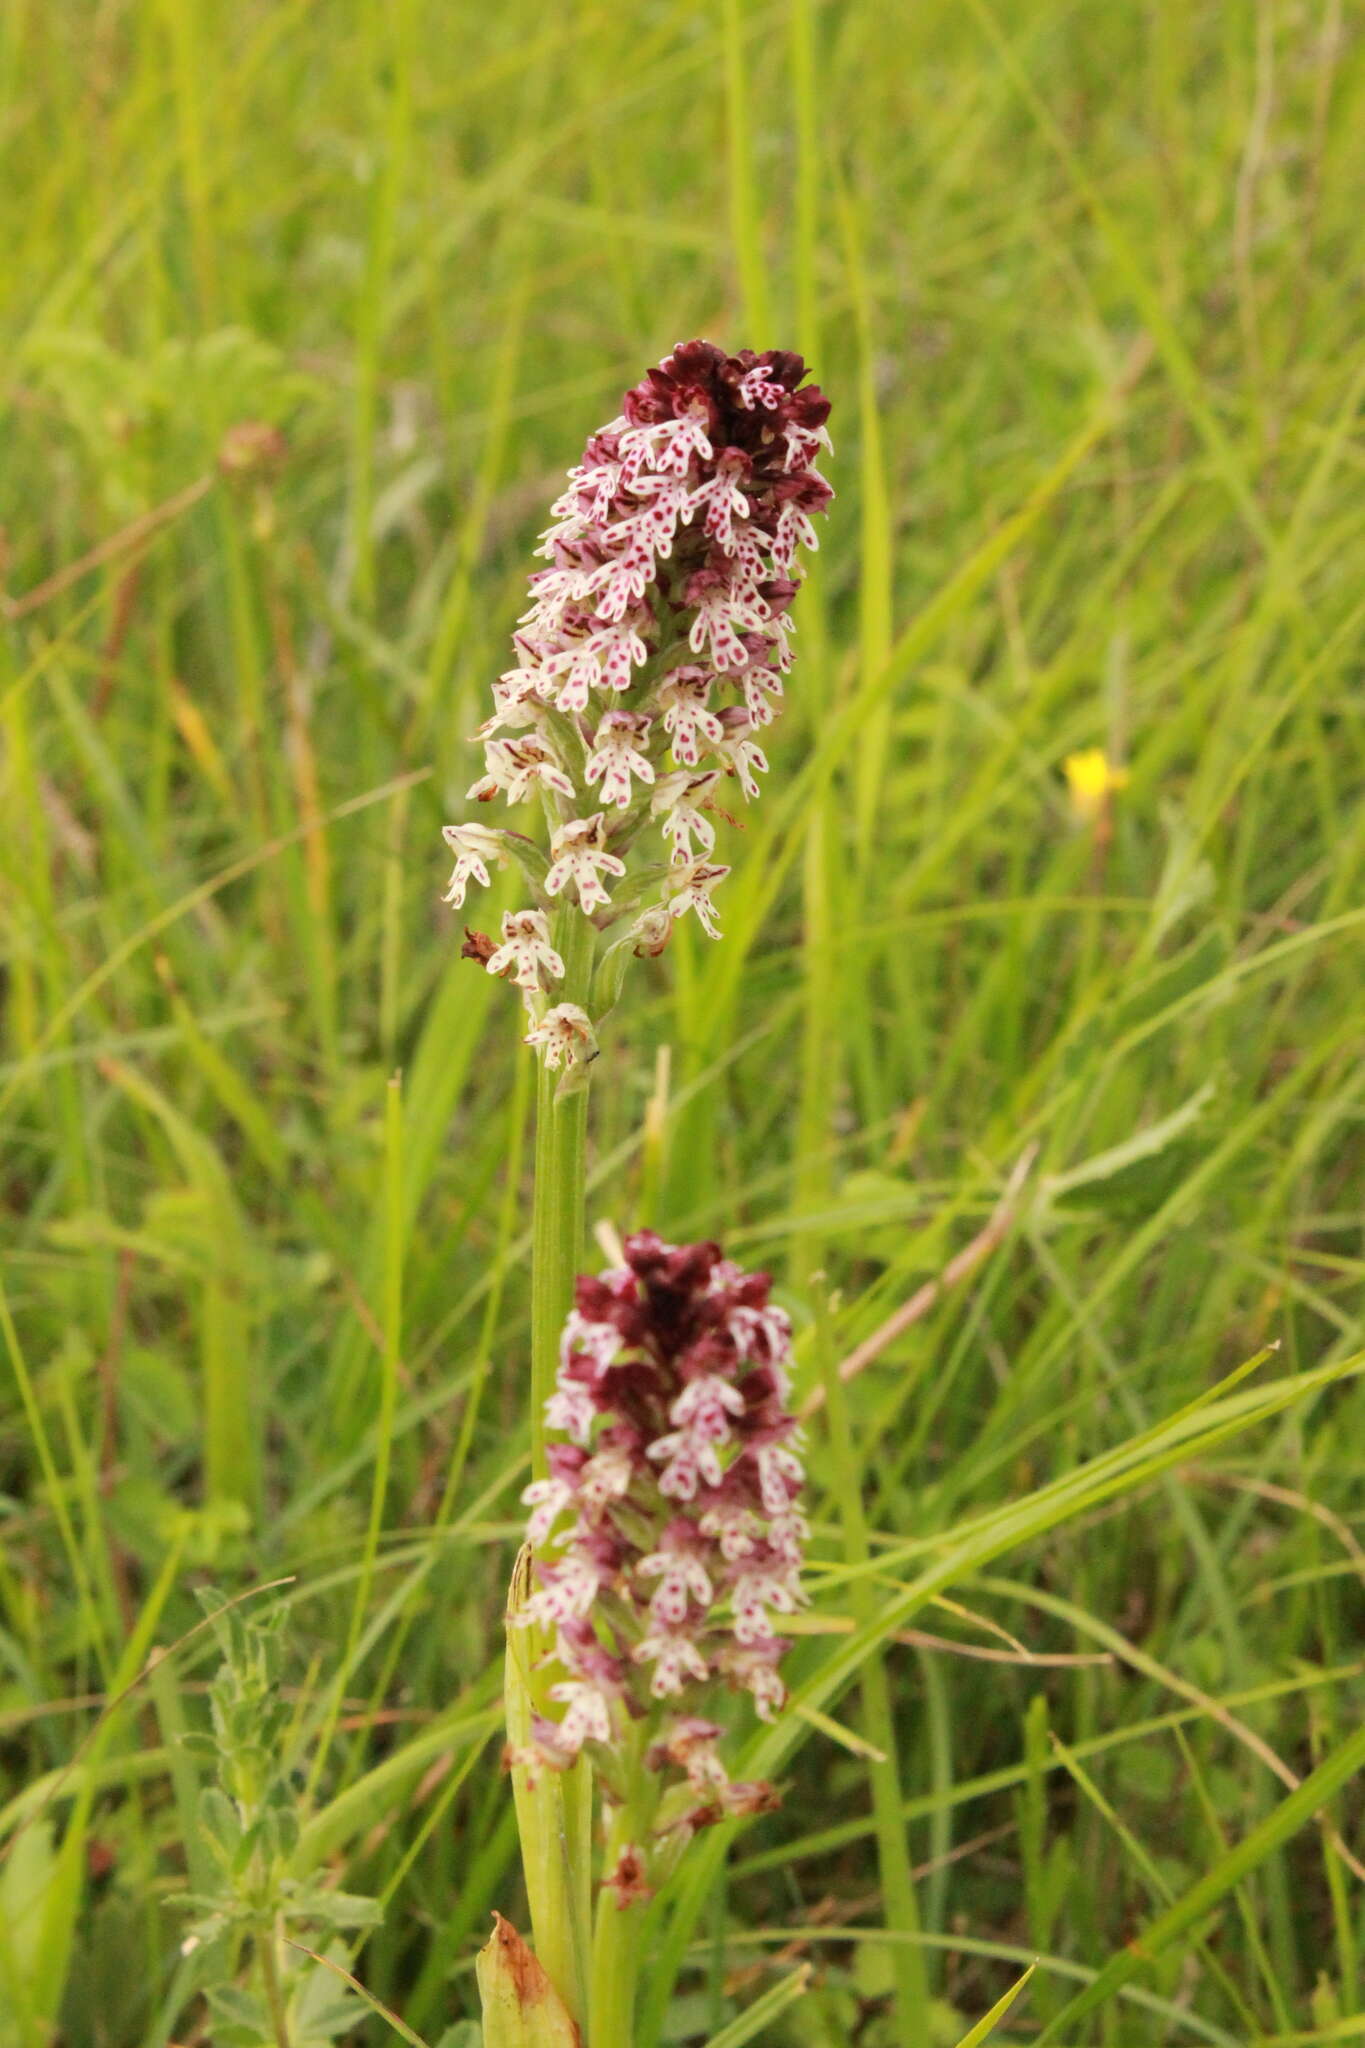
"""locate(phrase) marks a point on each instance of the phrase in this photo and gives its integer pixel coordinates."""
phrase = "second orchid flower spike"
(668, 1533)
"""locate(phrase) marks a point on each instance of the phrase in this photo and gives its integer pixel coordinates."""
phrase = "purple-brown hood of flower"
(700, 381)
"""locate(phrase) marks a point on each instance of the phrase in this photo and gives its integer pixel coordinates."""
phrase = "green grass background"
(1083, 283)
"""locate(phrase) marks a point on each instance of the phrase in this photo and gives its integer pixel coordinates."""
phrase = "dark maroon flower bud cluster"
(671, 1514)
(660, 631)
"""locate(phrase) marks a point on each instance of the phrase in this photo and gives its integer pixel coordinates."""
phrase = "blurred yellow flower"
(1091, 777)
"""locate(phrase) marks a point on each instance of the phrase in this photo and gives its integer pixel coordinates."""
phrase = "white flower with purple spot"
(742, 755)
(686, 718)
(691, 888)
(578, 854)
(549, 1498)
(680, 800)
(520, 768)
(780, 1474)
(682, 1578)
(564, 1035)
(474, 847)
(588, 1713)
(704, 1408)
(675, 1658)
(616, 756)
(526, 955)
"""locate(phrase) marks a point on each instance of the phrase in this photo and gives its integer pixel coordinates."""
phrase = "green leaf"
(336, 1909)
(25, 1879)
(324, 2005)
(1187, 880)
(1140, 1145)
(987, 2023)
(282, 1827)
(756, 2016)
(610, 976)
(221, 1823)
(1292, 1813)
(235, 2003)
(531, 859)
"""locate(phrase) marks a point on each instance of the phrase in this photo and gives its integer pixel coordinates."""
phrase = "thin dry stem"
(925, 1297)
(15, 608)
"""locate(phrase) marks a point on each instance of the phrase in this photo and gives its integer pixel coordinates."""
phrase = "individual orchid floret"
(740, 751)
(669, 1528)
(680, 800)
(616, 756)
(588, 1715)
(723, 500)
(575, 672)
(757, 387)
(691, 888)
(578, 854)
(526, 956)
(721, 609)
(548, 1499)
(651, 932)
(761, 686)
(474, 847)
(566, 1035)
(518, 768)
(656, 636)
(687, 720)
(674, 1660)
(516, 698)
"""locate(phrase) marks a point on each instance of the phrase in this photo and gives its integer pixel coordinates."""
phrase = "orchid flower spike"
(669, 1531)
(655, 643)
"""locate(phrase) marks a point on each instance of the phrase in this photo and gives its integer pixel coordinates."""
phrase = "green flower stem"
(270, 1981)
(555, 1811)
(616, 1947)
(557, 1217)
(554, 1816)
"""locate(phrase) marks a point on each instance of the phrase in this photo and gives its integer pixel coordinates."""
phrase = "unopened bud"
(251, 447)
